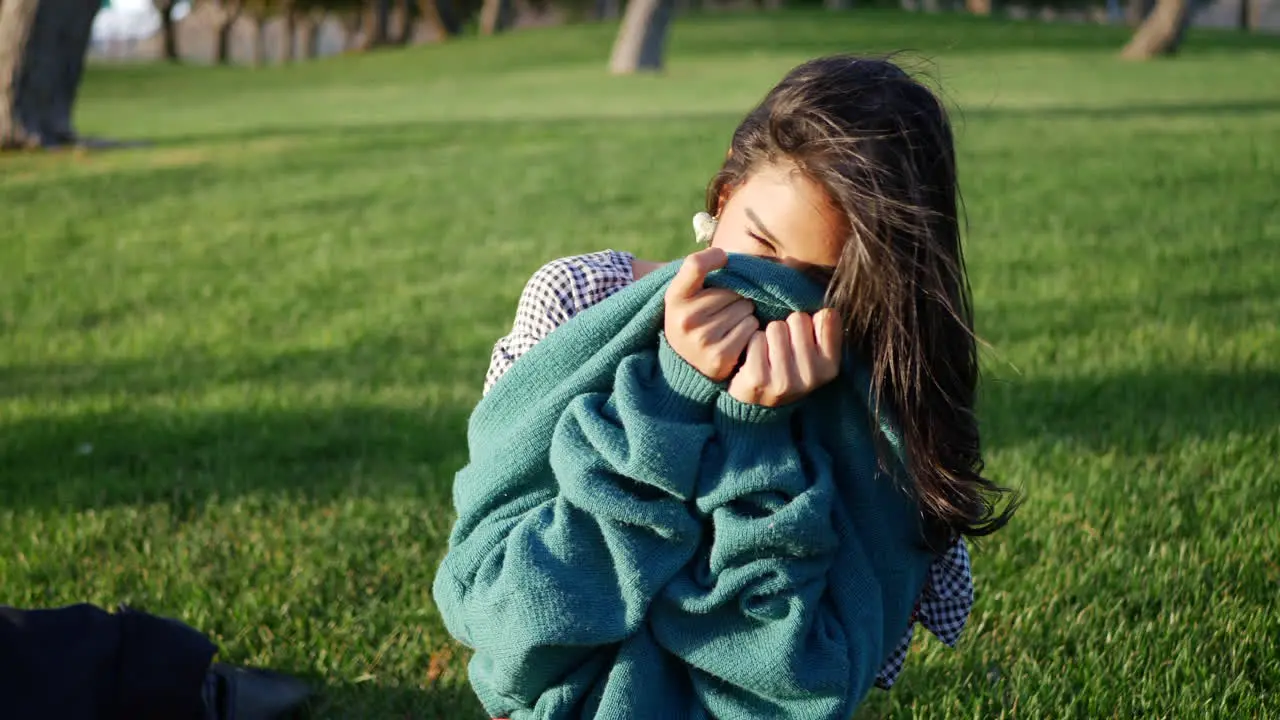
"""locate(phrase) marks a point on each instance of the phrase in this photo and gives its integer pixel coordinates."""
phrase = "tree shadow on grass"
(101, 460)
(1144, 410)
(366, 361)
(1224, 309)
(185, 458)
(1137, 412)
(143, 453)
(145, 447)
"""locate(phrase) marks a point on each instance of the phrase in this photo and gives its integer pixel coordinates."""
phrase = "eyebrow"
(763, 230)
(821, 273)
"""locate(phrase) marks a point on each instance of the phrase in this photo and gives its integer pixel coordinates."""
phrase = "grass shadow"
(98, 460)
(141, 445)
(1135, 412)
(1225, 310)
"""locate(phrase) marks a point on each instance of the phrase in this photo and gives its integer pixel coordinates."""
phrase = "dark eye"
(755, 236)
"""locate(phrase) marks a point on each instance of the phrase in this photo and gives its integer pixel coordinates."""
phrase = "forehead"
(784, 188)
(789, 197)
(795, 210)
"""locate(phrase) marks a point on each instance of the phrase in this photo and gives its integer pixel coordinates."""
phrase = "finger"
(830, 336)
(723, 322)
(703, 308)
(782, 368)
(735, 342)
(693, 273)
(804, 348)
(749, 383)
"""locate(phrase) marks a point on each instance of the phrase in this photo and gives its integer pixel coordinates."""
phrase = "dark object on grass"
(236, 693)
(83, 663)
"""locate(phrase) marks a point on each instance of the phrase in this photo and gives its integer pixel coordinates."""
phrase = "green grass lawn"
(235, 367)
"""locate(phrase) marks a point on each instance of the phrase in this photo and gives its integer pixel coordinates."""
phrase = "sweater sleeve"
(783, 647)
(575, 570)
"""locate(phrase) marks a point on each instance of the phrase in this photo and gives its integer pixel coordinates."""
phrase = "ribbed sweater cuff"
(736, 421)
(691, 393)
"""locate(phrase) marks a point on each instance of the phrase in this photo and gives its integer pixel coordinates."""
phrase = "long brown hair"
(880, 143)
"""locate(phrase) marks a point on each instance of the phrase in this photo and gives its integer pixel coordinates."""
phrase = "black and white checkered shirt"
(565, 287)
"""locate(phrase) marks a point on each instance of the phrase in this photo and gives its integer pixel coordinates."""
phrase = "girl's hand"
(708, 327)
(788, 360)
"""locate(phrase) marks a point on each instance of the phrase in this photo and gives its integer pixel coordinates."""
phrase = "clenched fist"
(788, 360)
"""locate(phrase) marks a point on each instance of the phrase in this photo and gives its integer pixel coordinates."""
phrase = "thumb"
(693, 272)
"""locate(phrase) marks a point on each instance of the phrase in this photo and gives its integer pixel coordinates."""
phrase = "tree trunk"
(453, 19)
(17, 20)
(1250, 15)
(222, 50)
(168, 29)
(289, 43)
(404, 26)
(351, 30)
(978, 7)
(309, 27)
(231, 10)
(372, 24)
(495, 16)
(382, 23)
(608, 9)
(1115, 13)
(489, 12)
(642, 38)
(1136, 11)
(1160, 33)
(68, 46)
(41, 63)
(429, 12)
(259, 39)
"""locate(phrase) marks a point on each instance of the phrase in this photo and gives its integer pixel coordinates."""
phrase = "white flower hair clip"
(704, 227)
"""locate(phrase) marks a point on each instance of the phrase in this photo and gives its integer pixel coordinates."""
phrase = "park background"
(245, 313)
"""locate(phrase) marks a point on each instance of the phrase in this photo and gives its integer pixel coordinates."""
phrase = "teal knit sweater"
(632, 542)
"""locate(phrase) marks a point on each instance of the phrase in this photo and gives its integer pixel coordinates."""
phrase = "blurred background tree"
(42, 56)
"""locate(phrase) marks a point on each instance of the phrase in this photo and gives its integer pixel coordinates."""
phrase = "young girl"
(846, 174)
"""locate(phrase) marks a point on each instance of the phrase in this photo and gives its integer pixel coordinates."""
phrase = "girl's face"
(780, 213)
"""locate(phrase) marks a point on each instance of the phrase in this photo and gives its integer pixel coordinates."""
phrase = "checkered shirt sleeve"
(943, 608)
(565, 287)
(556, 292)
